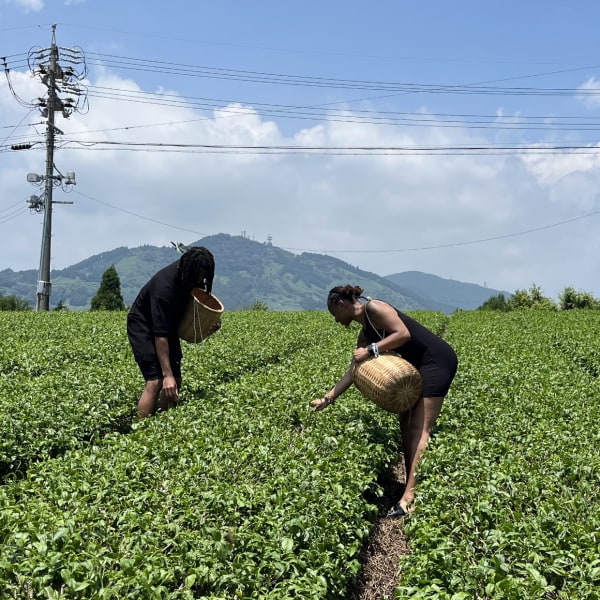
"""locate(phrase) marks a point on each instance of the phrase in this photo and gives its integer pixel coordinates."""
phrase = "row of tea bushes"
(509, 494)
(67, 377)
(241, 492)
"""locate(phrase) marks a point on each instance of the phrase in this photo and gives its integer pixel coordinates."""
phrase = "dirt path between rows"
(379, 574)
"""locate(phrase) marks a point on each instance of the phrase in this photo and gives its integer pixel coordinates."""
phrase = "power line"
(362, 251)
(137, 215)
(456, 244)
(202, 71)
(12, 206)
(15, 128)
(387, 118)
(405, 150)
(367, 117)
(13, 215)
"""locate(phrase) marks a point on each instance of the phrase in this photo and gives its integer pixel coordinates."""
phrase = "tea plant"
(241, 492)
(509, 496)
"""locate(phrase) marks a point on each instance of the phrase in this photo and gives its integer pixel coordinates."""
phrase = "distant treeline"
(568, 299)
(109, 298)
(13, 303)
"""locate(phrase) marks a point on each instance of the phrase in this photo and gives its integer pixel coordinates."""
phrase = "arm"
(383, 316)
(337, 390)
(169, 386)
(342, 385)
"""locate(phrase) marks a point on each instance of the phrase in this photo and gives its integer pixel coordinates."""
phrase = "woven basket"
(201, 313)
(389, 381)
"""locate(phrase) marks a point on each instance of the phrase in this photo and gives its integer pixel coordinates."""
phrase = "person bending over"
(152, 324)
(386, 329)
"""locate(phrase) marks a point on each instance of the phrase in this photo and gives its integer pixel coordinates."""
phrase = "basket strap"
(195, 314)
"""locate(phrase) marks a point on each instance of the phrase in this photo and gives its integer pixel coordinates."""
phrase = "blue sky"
(459, 139)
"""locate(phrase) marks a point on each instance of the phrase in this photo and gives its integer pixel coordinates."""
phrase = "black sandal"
(396, 512)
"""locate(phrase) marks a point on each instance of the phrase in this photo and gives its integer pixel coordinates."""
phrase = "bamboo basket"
(201, 313)
(389, 381)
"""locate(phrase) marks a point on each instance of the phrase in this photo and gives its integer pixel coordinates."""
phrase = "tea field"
(242, 492)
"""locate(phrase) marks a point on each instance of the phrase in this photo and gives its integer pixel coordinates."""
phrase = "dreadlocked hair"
(344, 292)
(197, 268)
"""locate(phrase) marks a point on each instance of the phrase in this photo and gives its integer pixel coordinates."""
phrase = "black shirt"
(158, 309)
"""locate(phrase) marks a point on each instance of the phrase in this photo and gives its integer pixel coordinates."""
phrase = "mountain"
(445, 295)
(248, 272)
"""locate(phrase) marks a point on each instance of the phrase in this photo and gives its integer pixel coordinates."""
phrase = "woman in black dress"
(386, 329)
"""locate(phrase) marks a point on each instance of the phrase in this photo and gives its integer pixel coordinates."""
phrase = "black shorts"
(437, 372)
(151, 370)
(144, 351)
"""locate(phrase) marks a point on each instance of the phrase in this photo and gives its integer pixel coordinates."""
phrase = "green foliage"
(571, 299)
(497, 302)
(259, 305)
(61, 306)
(508, 502)
(13, 303)
(241, 492)
(109, 295)
(530, 299)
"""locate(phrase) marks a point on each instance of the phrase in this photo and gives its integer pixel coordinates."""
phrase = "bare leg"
(416, 427)
(147, 402)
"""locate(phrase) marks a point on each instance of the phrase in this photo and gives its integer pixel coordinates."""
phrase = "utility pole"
(44, 287)
(57, 79)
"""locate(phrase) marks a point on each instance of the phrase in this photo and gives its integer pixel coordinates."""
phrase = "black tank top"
(422, 340)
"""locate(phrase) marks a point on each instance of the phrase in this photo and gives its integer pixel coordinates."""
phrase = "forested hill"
(247, 272)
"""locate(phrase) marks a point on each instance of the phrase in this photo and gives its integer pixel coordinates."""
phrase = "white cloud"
(385, 214)
(551, 168)
(27, 5)
(590, 101)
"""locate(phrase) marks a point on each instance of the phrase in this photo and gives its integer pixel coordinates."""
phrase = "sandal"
(396, 511)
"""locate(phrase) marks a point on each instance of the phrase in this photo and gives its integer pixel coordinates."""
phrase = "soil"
(380, 557)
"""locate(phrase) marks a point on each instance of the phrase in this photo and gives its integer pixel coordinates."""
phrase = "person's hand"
(361, 354)
(169, 389)
(320, 403)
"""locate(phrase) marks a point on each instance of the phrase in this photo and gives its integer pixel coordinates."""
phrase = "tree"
(108, 296)
(61, 306)
(13, 303)
(259, 305)
(497, 302)
(571, 299)
(531, 299)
